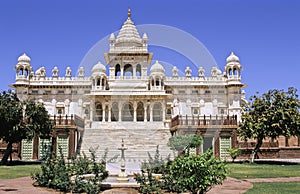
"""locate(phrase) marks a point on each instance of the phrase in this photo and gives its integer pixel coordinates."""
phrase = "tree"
(274, 114)
(21, 120)
(184, 142)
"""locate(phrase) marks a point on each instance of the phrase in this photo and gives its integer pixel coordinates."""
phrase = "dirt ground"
(24, 185)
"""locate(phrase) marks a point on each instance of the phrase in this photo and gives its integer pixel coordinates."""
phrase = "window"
(221, 92)
(34, 92)
(225, 144)
(99, 112)
(74, 92)
(195, 111)
(60, 92)
(194, 91)
(86, 91)
(140, 112)
(127, 112)
(63, 142)
(181, 92)
(47, 92)
(157, 115)
(207, 91)
(60, 110)
(87, 112)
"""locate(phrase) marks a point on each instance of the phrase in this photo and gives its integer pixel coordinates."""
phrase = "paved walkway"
(230, 186)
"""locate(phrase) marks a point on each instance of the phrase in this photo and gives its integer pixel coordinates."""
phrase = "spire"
(128, 13)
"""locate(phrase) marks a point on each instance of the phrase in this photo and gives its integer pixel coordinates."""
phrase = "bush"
(194, 173)
(56, 174)
(234, 153)
(155, 164)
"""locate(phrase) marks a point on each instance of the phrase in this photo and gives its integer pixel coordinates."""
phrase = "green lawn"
(242, 171)
(274, 188)
(10, 172)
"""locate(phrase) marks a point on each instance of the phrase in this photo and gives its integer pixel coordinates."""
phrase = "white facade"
(129, 102)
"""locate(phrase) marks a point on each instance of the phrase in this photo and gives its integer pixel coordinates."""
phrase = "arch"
(98, 81)
(115, 112)
(99, 112)
(103, 81)
(157, 113)
(229, 71)
(235, 72)
(128, 71)
(157, 81)
(140, 111)
(118, 70)
(21, 71)
(106, 113)
(127, 112)
(148, 113)
(138, 70)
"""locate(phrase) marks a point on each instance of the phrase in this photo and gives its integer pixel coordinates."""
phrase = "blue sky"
(264, 34)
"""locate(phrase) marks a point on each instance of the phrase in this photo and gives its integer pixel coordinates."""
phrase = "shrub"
(194, 173)
(55, 173)
(155, 164)
(234, 153)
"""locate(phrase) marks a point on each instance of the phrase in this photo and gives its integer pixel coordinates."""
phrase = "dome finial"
(128, 13)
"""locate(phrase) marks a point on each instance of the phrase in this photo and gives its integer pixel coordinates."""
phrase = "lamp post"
(122, 176)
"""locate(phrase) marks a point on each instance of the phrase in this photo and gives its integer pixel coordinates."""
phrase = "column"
(120, 111)
(109, 113)
(151, 113)
(145, 113)
(133, 71)
(103, 112)
(71, 143)
(122, 71)
(163, 113)
(134, 111)
(92, 111)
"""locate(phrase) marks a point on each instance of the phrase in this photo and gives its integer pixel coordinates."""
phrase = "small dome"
(24, 58)
(232, 58)
(99, 68)
(157, 68)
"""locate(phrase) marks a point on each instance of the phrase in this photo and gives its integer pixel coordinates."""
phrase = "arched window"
(157, 115)
(106, 113)
(235, 72)
(229, 71)
(127, 112)
(118, 70)
(148, 113)
(103, 81)
(157, 82)
(98, 81)
(98, 115)
(21, 71)
(115, 112)
(138, 70)
(140, 112)
(128, 70)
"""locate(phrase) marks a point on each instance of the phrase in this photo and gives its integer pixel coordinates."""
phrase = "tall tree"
(21, 120)
(273, 114)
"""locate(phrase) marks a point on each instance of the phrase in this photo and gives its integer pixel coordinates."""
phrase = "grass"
(11, 172)
(241, 171)
(275, 188)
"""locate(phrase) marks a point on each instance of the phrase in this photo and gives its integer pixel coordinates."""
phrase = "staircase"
(139, 139)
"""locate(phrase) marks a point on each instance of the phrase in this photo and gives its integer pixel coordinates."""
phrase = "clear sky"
(264, 34)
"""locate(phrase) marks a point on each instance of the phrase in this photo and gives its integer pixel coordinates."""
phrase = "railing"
(67, 120)
(203, 120)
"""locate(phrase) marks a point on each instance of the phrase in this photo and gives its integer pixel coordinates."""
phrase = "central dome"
(128, 35)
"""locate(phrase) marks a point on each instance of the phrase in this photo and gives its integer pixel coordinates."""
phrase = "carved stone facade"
(122, 100)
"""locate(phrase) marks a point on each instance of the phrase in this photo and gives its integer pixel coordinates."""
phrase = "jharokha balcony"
(204, 122)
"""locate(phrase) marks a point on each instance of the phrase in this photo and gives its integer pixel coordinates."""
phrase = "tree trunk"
(7, 153)
(256, 148)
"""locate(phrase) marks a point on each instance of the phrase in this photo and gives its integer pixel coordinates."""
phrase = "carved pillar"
(103, 112)
(151, 113)
(134, 71)
(92, 111)
(120, 111)
(109, 113)
(145, 113)
(134, 111)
